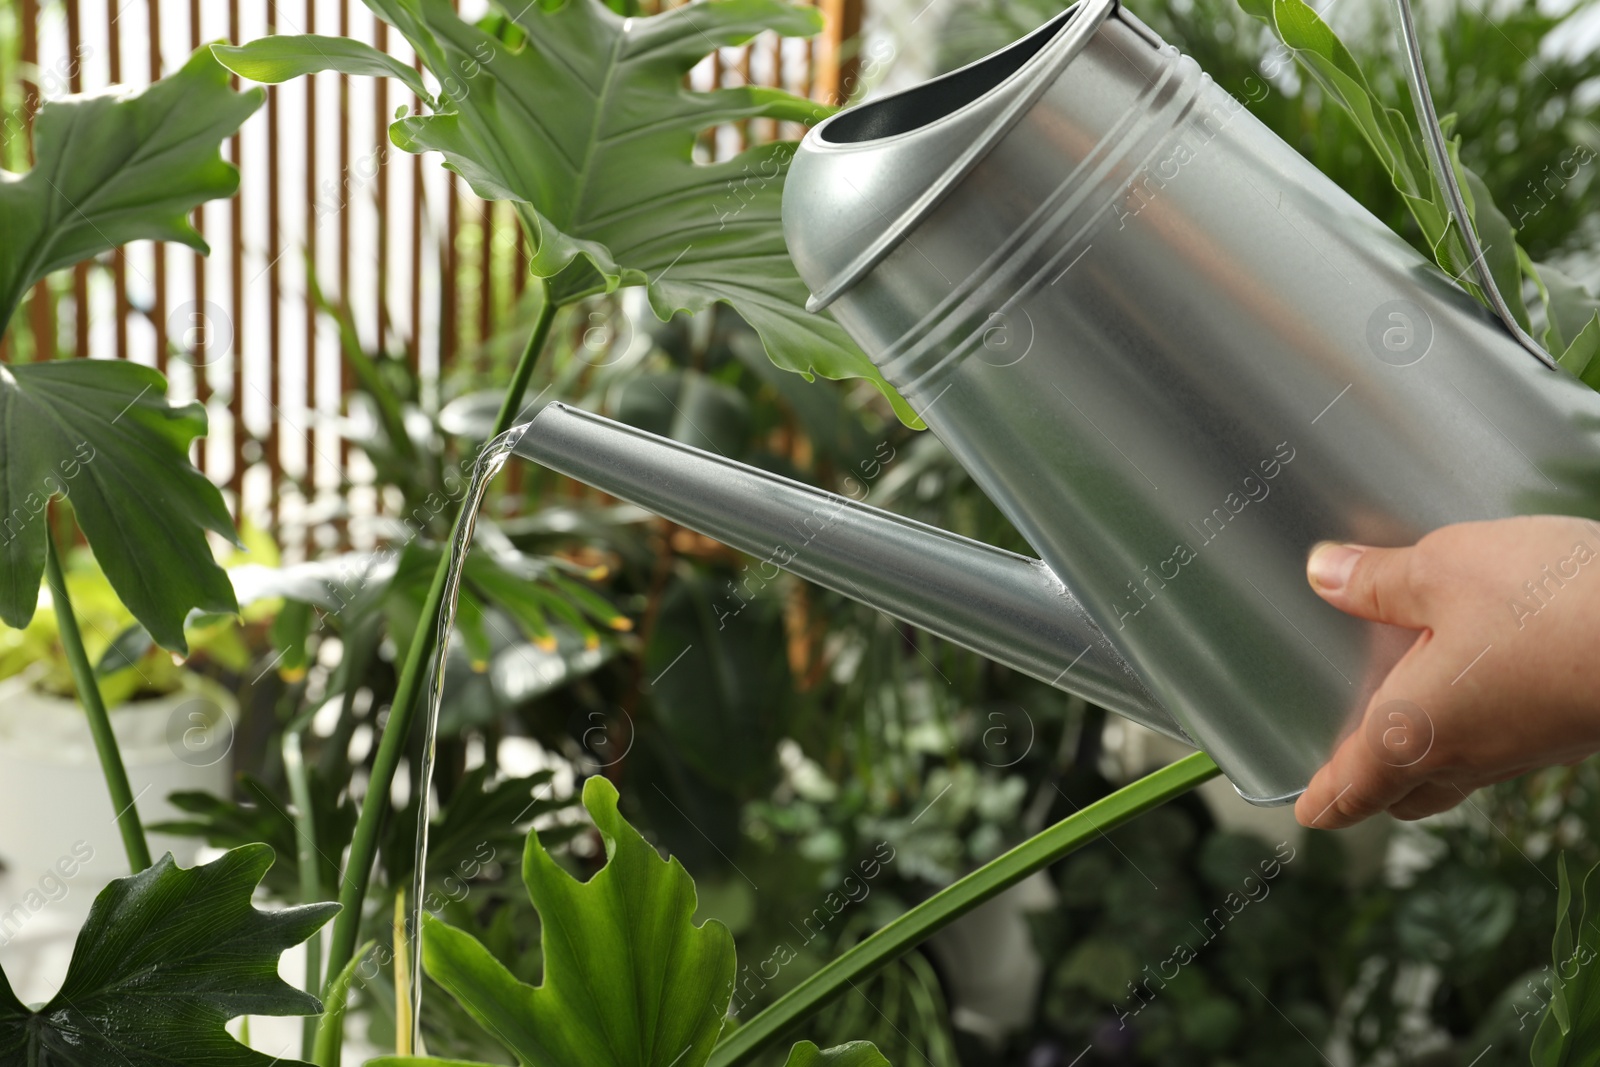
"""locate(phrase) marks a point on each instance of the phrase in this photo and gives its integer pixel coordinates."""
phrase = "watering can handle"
(1428, 118)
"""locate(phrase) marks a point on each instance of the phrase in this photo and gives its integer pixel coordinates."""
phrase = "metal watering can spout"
(1001, 605)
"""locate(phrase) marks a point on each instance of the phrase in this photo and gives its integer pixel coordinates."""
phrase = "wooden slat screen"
(423, 268)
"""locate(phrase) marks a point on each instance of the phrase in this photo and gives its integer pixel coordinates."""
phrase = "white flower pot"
(58, 833)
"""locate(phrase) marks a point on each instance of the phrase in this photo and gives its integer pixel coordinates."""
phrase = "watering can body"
(1175, 354)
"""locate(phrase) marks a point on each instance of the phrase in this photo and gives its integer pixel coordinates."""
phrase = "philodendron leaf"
(629, 979)
(588, 129)
(102, 434)
(164, 960)
(119, 167)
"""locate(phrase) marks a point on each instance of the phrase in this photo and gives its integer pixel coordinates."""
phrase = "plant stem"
(954, 901)
(105, 742)
(408, 693)
(305, 834)
(511, 406)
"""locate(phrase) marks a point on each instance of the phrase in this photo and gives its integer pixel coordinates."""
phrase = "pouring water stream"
(488, 464)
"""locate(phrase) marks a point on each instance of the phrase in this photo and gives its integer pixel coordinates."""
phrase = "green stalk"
(938, 911)
(105, 742)
(408, 693)
(305, 835)
(335, 1002)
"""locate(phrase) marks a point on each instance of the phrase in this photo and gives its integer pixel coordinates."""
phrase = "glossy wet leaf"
(102, 433)
(165, 959)
(605, 181)
(118, 167)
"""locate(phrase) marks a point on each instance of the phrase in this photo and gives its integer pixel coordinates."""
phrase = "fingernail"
(1330, 565)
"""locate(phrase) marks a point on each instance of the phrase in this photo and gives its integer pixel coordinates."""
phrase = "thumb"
(1371, 583)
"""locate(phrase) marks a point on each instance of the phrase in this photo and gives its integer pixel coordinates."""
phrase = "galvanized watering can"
(1172, 351)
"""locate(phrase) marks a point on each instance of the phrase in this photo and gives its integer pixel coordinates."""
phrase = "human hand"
(1504, 677)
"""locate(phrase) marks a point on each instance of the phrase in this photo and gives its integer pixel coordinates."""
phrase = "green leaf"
(483, 822)
(164, 960)
(264, 816)
(102, 433)
(1570, 308)
(279, 59)
(605, 181)
(687, 406)
(852, 1054)
(126, 650)
(290, 631)
(1387, 131)
(1499, 240)
(1579, 355)
(1570, 1031)
(330, 1028)
(629, 979)
(718, 656)
(119, 167)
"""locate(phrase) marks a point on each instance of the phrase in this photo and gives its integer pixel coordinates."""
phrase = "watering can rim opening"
(1053, 45)
(1022, 53)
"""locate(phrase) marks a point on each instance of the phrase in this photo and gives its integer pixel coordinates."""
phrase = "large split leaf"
(585, 125)
(113, 168)
(629, 979)
(119, 167)
(102, 433)
(164, 960)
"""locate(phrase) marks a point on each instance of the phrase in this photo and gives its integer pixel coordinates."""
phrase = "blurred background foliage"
(820, 768)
